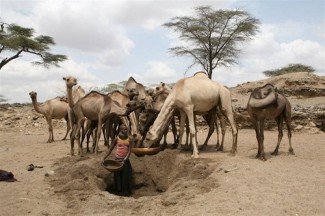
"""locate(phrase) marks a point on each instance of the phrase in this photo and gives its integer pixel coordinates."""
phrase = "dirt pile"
(302, 84)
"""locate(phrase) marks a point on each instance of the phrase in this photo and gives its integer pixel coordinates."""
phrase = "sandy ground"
(169, 183)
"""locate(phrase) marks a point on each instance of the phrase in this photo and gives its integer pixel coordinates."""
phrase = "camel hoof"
(202, 147)
(291, 151)
(174, 146)
(274, 153)
(262, 158)
(195, 156)
(220, 148)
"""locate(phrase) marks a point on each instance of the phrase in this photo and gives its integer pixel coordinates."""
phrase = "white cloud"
(19, 77)
(159, 71)
(266, 53)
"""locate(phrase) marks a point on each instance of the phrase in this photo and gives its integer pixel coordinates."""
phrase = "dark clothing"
(123, 180)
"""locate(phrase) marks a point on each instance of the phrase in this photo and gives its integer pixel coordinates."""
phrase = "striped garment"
(122, 148)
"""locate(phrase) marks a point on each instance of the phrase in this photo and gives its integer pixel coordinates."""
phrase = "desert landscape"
(171, 182)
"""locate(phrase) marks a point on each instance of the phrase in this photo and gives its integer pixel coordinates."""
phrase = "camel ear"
(64, 78)
(163, 84)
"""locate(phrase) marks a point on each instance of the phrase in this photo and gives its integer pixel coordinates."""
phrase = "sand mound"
(302, 83)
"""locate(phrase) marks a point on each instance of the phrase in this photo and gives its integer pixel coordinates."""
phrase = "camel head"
(151, 140)
(33, 95)
(70, 81)
(263, 96)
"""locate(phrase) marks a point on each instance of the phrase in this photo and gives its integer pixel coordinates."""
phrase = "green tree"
(291, 68)
(212, 36)
(16, 40)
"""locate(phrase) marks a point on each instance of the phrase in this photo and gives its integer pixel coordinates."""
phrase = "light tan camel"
(55, 108)
(194, 95)
(266, 103)
(160, 94)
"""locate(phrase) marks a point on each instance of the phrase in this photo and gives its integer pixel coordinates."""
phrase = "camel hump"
(201, 74)
(263, 96)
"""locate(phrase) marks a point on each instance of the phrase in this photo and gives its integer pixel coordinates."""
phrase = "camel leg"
(72, 138)
(100, 119)
(164, 145)
(49, 122)
(262, 153)
(77, 135)
(257, 134)
(279, 121)
(190, 116)
(181, 129)
(230, 117)
(288, 123)
(68, 127)
(223, 131)
(210, 118)
(174, 130)
(85, 133)
(257, 127)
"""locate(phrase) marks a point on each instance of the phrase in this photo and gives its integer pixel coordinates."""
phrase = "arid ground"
(170, 182)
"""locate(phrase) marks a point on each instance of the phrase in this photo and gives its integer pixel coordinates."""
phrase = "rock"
(312, 124)
(299, 128)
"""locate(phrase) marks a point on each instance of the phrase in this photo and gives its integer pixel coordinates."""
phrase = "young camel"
(194, 95)
(55, 108)
(266, 103)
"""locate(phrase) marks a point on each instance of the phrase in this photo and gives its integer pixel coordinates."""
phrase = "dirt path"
(283, 185)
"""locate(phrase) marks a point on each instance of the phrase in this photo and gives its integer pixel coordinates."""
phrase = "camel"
(123, 100)
(160, 94)
(94, 106)
(193, 95)
(56, 108)
(266, 103)
(133, 88)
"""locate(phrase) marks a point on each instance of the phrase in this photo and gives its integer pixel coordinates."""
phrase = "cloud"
(265, 52)
(19, 77)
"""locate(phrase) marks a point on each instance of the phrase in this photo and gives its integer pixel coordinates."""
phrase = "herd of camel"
(150, 113)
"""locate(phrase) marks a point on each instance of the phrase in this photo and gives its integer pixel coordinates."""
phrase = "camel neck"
(69, 95)
(36, 107)
(163, 118)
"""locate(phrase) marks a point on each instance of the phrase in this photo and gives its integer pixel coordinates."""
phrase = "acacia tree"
(212, 36)
(16, 39)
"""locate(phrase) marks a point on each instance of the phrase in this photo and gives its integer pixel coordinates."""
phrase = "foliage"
(291, 68)
(212, 36)
(2, 99)
(16, 39)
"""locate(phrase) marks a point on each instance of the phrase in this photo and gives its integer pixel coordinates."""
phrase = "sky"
(109, 41)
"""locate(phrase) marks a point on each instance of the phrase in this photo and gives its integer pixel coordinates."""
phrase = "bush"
(291, 68)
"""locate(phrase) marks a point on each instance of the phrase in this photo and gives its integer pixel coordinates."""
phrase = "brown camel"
(266, 103)
(136, 91)
(194, 95)
(123, 100)
(96, 107)
(56, 108)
